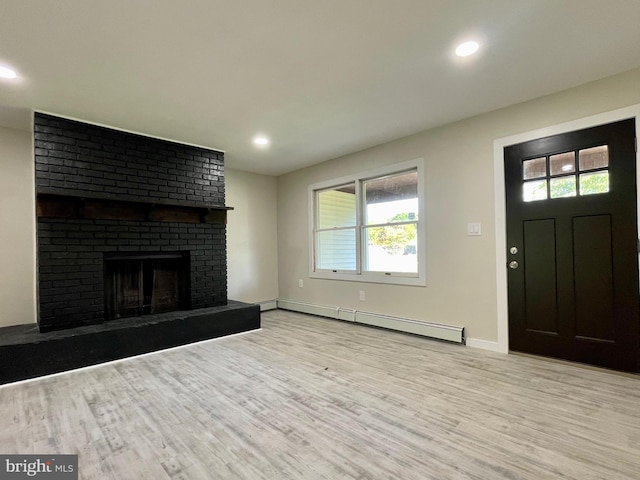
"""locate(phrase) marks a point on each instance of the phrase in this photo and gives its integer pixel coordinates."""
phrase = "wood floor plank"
(311, 398)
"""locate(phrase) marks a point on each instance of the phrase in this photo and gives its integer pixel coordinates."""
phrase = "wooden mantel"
(56, 205)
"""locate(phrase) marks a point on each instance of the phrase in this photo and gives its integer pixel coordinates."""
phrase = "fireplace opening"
(145, 283)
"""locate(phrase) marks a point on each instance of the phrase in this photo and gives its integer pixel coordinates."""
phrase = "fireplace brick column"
(152, 195)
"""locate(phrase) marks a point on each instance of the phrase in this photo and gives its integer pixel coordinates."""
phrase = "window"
(336, 230)
(555, 176)
(369, 227)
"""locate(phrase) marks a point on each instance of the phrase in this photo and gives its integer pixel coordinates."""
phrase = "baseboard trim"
(483, 344)
(449, 333)
(268, 305)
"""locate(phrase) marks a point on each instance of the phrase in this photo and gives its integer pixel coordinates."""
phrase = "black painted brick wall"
(97, 162)
(71, 256)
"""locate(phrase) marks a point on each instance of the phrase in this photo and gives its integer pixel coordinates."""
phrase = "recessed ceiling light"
(6, 72)
(261, 141)
(467, 48)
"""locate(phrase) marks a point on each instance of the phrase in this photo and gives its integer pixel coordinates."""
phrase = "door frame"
(500, 201)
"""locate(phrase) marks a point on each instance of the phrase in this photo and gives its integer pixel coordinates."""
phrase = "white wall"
(251, 236)
(17, 229)
(461, 270)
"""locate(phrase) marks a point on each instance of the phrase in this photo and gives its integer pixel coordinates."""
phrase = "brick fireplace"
(116, 203)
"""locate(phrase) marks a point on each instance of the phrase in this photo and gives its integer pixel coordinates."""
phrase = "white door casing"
(500, 204)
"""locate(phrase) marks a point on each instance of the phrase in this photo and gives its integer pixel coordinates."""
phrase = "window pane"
(535, 168)
(392, 248)
(596, 182)
(536, 190)
(337, 207)
(336, 249)
(596, 157)
(563, 187)
(391, 199)
(562, 163)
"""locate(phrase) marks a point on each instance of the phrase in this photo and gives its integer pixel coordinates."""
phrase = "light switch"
(474, 229)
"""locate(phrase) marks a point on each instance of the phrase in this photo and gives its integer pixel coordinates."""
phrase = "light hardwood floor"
(310, 398)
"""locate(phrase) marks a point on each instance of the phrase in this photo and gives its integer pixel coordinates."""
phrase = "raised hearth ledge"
(55, 205)
(26, 353)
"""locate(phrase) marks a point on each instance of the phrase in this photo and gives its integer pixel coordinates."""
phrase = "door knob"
(513, 265)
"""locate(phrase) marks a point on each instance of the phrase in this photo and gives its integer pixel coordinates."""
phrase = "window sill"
(393, 279)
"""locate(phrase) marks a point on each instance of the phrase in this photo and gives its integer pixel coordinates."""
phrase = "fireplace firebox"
(145, 283)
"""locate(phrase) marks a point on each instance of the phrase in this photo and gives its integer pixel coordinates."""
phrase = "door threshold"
(585, 366)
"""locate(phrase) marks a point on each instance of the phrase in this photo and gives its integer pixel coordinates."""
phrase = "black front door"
(572, 246)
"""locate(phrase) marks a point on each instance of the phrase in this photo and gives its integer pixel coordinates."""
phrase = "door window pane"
(592, 158)
(536, 190)
(534, 168)
(562, 163)
(562, 187)
(596, 182)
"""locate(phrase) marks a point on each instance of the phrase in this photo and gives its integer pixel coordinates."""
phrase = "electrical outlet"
(300, 283)
(362, 295)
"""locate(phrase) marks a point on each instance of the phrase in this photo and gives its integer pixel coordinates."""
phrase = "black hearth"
(25, 352)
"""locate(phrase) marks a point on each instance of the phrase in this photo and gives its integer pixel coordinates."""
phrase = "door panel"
(593, 276)
(573, 276)
(540, 260)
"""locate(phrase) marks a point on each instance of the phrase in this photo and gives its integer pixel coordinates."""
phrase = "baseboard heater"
(449, 333)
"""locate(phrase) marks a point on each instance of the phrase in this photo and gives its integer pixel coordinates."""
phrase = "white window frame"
(392, 278)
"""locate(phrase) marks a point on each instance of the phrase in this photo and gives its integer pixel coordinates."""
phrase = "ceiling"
(320, 78)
